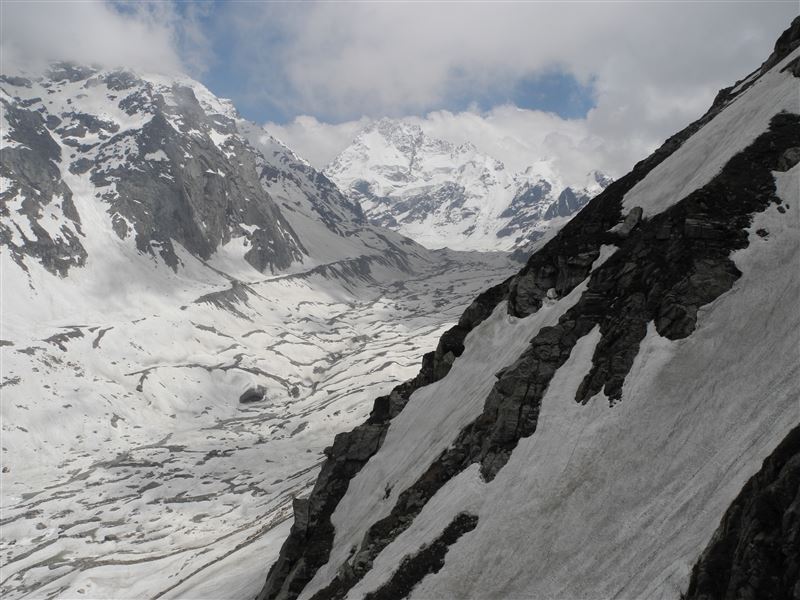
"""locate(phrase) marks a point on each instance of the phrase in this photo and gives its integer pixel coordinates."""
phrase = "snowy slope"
(190, 312)
(441, 195)
(628, 382)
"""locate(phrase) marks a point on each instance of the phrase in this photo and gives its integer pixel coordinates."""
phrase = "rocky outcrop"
(568, 203)
(755, 552)
(181, 186)
(254, 394)
(525, 208)
(169, 164)
(430, 559)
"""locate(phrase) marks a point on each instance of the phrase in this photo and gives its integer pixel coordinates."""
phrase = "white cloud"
(655, 67)
(149, 36)
(397, 58)
(521, 137)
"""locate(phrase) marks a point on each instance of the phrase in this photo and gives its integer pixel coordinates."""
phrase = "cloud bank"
(325, 69)
(159, 37)
(654, 68)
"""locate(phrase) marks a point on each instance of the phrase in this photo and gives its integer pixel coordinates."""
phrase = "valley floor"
(133, 469)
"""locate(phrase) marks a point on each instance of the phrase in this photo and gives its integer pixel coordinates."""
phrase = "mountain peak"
(397, 133)
(443, 194)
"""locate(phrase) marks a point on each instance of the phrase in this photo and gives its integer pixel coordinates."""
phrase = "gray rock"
(256, 394)
(632, 219)
(754, 551)
(789, 159)
(35, 177)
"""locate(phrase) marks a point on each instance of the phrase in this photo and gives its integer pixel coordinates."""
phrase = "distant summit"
(442, 194)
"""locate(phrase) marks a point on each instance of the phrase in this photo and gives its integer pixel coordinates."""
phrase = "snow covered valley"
(137, 472)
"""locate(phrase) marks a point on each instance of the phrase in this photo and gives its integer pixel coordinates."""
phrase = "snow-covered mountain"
(440, 194)
(189, 313)
(619, 419)
(168, 165)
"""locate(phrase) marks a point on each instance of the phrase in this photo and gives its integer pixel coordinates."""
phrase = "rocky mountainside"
(440, 194)
(189, 313)
(619, 418)
(168, 165)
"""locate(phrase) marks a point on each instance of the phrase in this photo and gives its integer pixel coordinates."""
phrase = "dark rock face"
(449, 199)
(755, 552)
(528, 196)
(632, 219)
(534, 203)
(256, 394)
(332, 207)
(567, 203)
(181, 174)
(309, 543)
(69, 72)
(526, 208)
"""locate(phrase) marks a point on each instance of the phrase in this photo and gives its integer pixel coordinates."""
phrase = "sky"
(583, 84)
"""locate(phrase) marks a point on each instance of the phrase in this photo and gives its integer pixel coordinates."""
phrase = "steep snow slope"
(189, 313)
(649, 364)
(441, 195)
